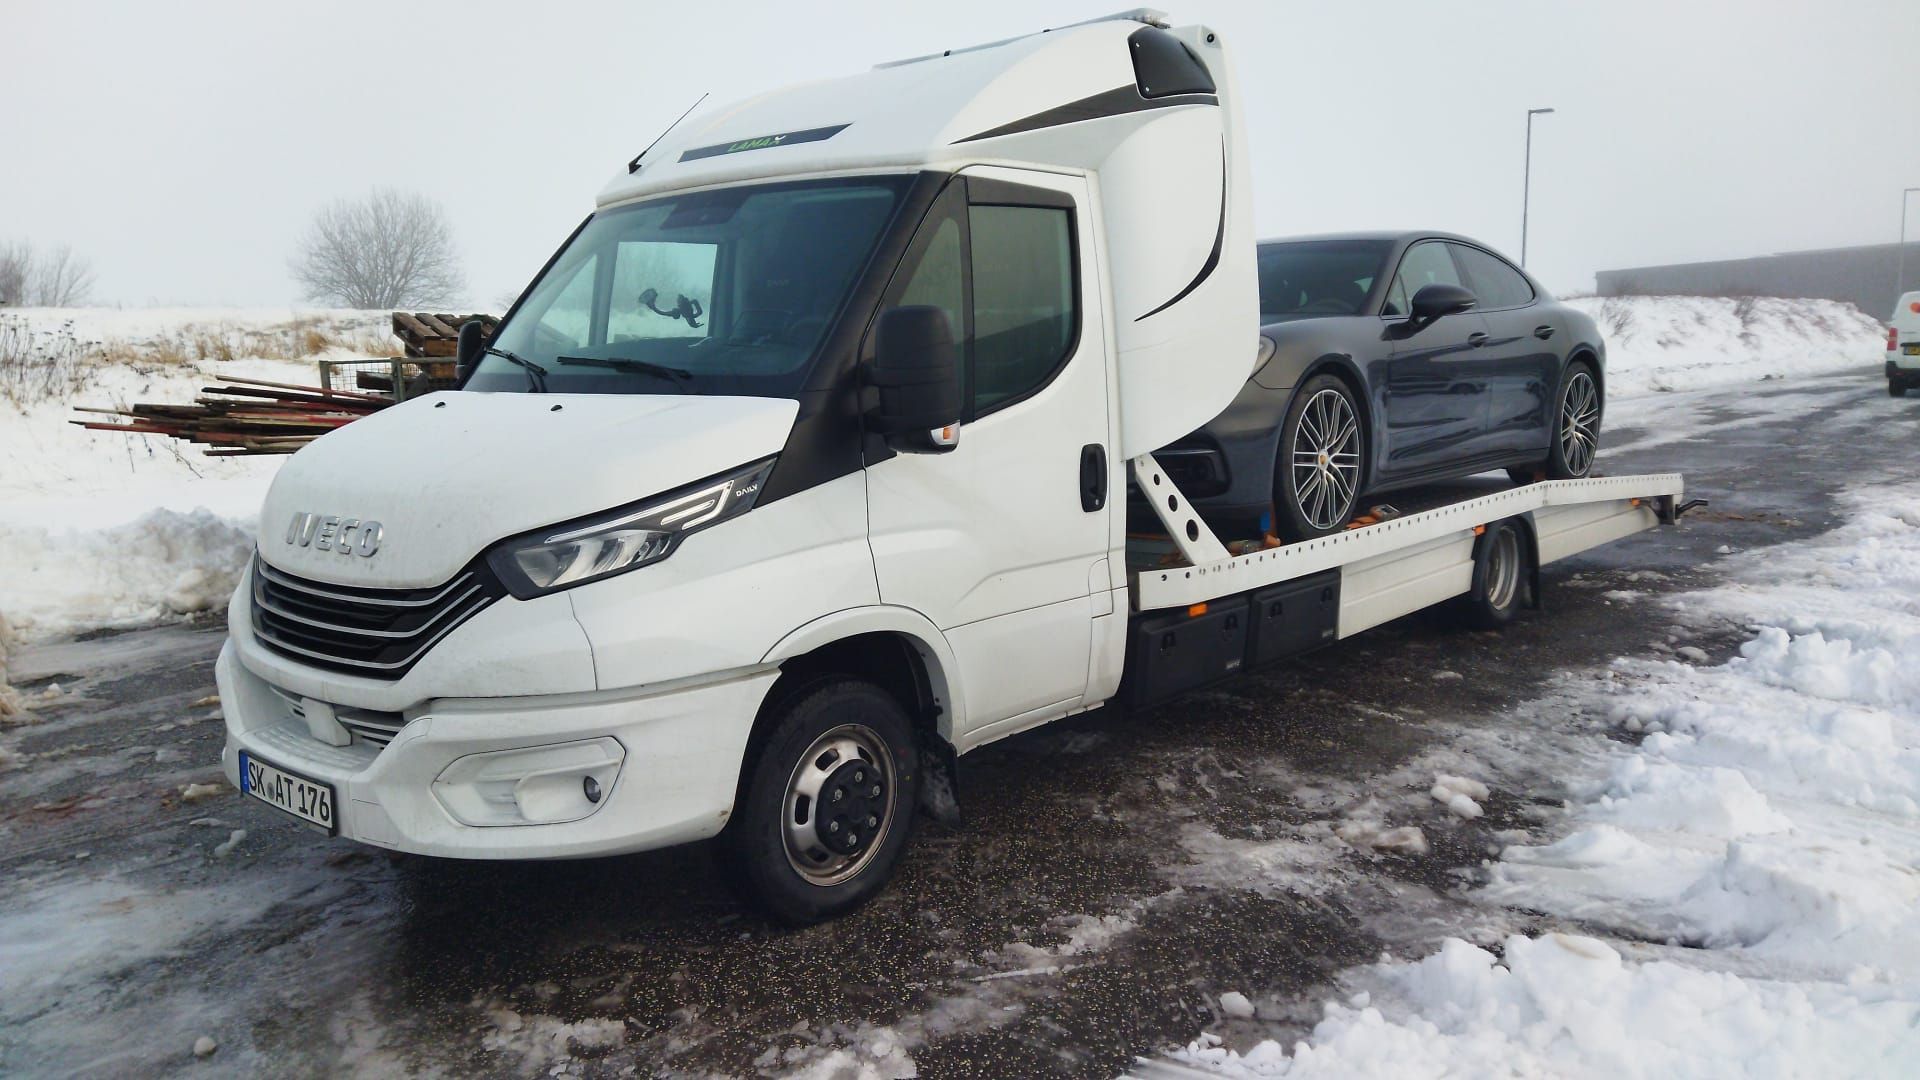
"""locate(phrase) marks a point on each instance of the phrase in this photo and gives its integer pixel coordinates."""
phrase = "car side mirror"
(1437, 301)
(916, 369)
(466, 354)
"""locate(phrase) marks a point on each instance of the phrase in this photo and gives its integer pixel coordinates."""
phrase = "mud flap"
(940, 782)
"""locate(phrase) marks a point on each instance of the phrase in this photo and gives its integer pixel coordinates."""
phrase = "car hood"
(448, 474)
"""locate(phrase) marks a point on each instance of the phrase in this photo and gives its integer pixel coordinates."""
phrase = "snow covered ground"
(98, 529)
(1657, 343)
(1746, 863)
(104, 530)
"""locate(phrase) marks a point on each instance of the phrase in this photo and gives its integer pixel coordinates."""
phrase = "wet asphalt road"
(1114, 873)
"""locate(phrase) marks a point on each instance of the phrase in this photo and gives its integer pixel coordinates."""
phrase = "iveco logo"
(348, 536)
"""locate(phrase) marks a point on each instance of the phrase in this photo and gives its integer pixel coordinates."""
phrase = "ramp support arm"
(1196, 542)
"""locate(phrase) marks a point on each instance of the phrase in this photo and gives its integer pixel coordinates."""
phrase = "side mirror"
(1437, 301)
(916, 369)
(466, 354)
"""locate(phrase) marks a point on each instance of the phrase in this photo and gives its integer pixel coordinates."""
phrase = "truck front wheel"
(828, 803)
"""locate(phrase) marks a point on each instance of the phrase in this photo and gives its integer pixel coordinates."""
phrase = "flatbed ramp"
(1217, 612)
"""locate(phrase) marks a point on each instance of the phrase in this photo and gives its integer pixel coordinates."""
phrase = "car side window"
(1425, 263)
(1025, 312)
(1497, 284)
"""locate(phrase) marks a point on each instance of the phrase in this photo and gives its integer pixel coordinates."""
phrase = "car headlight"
(624, 538)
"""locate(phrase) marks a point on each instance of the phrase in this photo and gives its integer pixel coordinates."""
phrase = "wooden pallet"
(434, 335)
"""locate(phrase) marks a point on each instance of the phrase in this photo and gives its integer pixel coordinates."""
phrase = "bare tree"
(391, 249)
(16, 267)
(59, 278)
(56, 278)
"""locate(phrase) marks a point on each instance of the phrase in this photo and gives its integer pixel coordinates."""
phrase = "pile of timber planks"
(434, 335)
(243, 417)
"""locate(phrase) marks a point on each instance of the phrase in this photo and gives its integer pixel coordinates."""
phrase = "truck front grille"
(376, 633)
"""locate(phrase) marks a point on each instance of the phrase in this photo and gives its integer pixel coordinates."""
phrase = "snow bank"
(162, 563)
(1562, 1005)
(1688, 342)
(1765, 832)
(99, 529)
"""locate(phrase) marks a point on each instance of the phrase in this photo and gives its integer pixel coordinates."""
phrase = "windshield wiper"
(681, 377)
(536, 375)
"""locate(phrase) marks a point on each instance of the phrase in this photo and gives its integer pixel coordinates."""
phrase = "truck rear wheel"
(1502, 574)
(1896, 386)
(828, 803)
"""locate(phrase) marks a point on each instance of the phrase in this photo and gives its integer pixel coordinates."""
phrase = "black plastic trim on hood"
(1115, 102)
(1213, 257)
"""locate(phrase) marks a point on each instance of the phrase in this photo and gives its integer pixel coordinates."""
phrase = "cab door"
(1002, 542)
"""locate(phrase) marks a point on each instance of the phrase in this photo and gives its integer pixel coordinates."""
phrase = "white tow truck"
(802, 468)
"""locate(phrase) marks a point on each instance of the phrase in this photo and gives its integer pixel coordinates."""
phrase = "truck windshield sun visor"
(733, 291)
(624, 538)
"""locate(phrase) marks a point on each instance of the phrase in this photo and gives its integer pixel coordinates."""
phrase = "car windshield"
(724, 292)
(1307, 278)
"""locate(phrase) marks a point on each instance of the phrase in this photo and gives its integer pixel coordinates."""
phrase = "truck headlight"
(624, 538)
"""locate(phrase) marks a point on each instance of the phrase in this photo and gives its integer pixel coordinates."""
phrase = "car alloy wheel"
(1579, 423)
(1325, 460)
(839, 804)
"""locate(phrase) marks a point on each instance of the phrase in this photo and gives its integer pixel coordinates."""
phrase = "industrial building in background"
(1862, 276)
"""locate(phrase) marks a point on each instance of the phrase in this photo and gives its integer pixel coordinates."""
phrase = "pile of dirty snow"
(1751, 862)
(102, 529)
(1657, 343)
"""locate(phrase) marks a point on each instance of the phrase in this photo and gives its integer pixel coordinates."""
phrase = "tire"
(786, 868)
(1577, 412)
(1502, 575)
(1528, 475)
(1322, 461)
(1896, 388)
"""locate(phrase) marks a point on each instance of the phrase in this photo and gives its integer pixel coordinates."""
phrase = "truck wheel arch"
(897, 648)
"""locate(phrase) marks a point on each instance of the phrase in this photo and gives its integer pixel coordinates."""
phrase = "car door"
(995, 541)
(1433, 398)
(1523, 351)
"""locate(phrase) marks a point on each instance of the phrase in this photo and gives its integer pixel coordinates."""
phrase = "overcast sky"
(182, 147)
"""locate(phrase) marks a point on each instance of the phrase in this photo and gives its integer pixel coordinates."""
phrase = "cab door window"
(1025, 314)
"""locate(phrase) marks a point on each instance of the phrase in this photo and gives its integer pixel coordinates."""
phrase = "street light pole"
(1900, 248)
(1526, 185)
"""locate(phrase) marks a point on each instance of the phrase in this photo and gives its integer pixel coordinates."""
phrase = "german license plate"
(1911, 348)
(309, 800)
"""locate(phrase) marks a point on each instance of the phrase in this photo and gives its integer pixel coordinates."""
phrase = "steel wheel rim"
(1503, 569)
(808, 805)
(1325, 462)
(1579, 423)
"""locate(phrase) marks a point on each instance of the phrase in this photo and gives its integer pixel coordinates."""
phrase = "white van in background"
(1903, 345)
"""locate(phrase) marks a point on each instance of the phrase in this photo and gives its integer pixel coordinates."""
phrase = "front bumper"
(679, 756)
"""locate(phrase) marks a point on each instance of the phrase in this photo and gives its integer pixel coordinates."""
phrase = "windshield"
(723, 292)
(1318, 277)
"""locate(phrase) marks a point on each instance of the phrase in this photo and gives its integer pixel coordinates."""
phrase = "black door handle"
(1477, 338)
(1543, 332)
(1093, 477)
